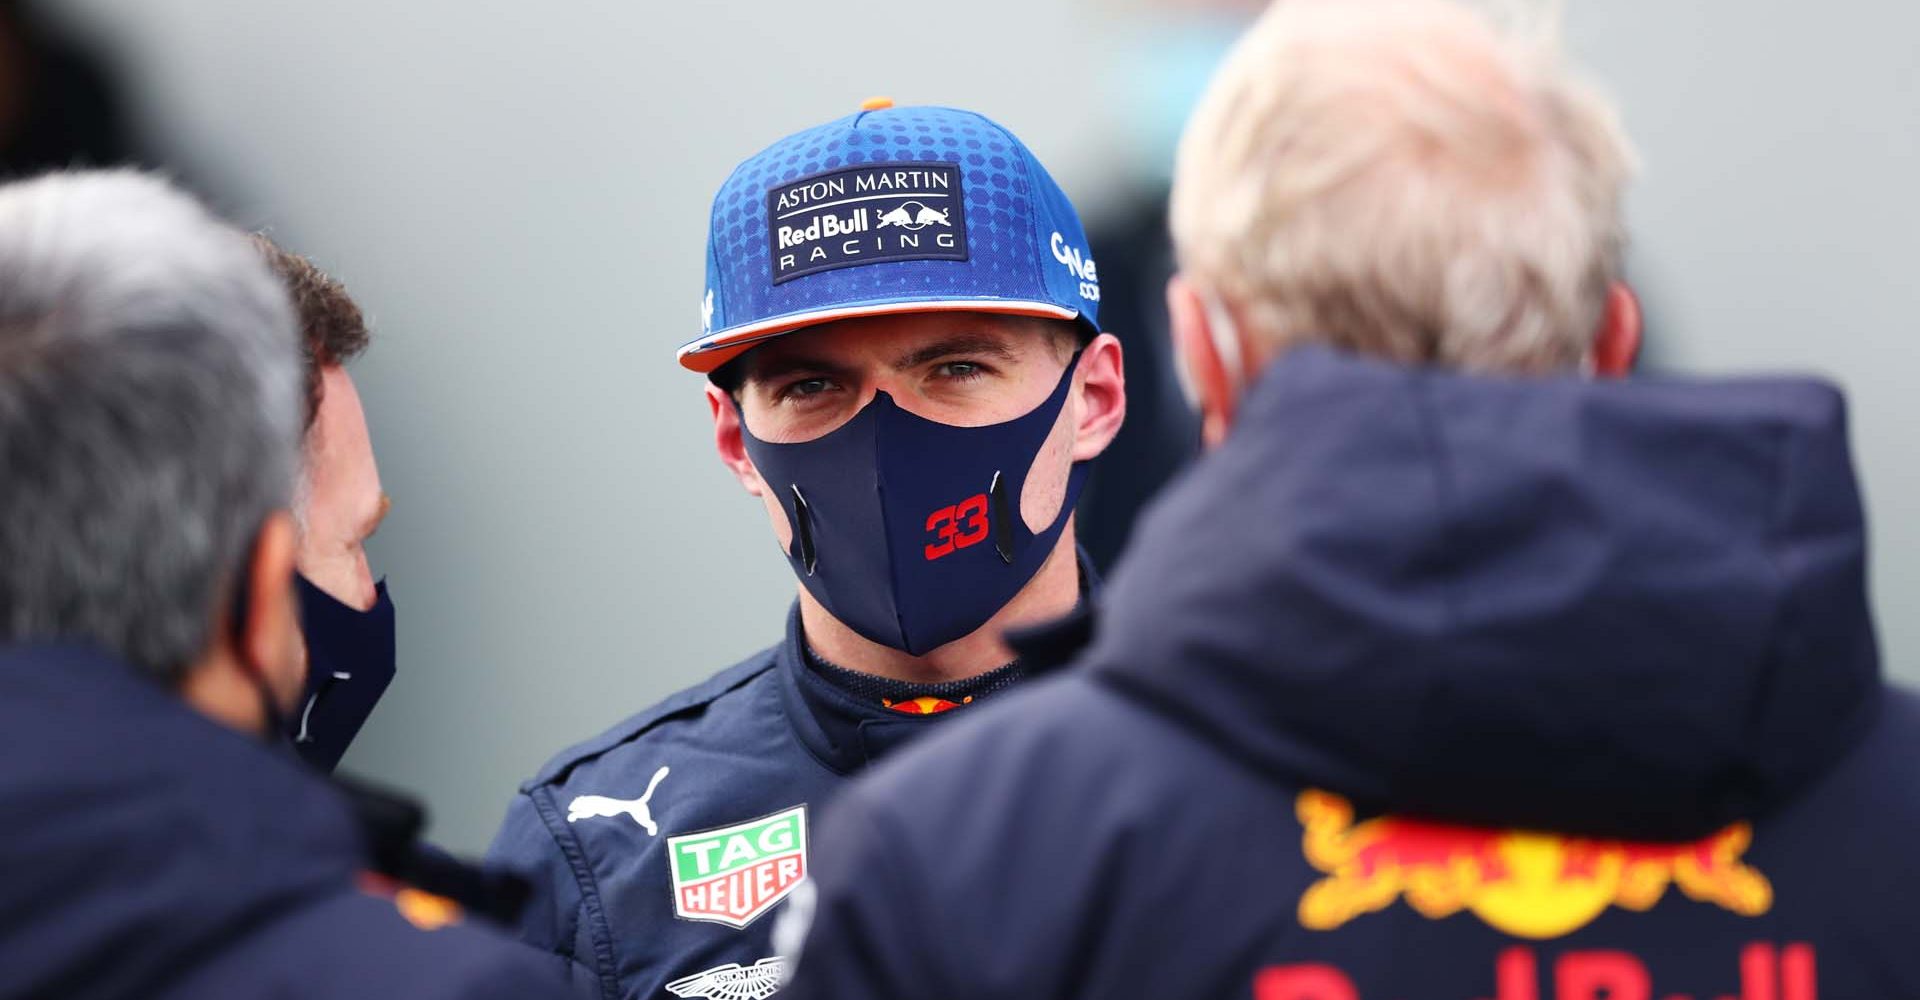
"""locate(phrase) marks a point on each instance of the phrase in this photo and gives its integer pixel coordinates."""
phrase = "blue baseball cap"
(889, 210)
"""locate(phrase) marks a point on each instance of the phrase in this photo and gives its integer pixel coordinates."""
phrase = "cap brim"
(708, 353)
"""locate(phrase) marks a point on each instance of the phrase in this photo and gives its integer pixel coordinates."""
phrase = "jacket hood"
(142, 838)
(1617, 608)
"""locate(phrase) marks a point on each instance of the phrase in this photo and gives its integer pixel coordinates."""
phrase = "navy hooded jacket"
(1438, 686)
(150, 852)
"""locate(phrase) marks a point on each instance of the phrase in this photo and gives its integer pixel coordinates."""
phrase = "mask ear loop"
(1000, 514)
(306, 714)
(800, 512)
(803, 529)
(1002, 518)
(1225, 334)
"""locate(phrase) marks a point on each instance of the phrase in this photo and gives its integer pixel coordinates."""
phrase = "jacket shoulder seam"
(576, 857)
(699, 696)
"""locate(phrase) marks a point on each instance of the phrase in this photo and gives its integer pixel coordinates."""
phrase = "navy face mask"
(909, 530)
(350, 662)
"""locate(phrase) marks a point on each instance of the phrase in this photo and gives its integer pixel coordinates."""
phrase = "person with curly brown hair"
(347, 617)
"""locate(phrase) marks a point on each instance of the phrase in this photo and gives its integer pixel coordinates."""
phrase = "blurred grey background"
(517, 195)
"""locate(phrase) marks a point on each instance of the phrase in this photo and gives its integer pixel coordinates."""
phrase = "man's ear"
(727, 440)
(268, 640)
(1103, 396)
(1195, 347)
(1616, 344)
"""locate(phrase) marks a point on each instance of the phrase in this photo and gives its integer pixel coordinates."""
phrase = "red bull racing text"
(866, 215)
(1764, 973)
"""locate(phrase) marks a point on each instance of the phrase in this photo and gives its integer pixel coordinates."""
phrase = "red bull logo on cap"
(867, 215)
(913, 215)
(1525, 883)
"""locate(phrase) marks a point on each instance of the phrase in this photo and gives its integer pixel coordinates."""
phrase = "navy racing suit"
(659, 849)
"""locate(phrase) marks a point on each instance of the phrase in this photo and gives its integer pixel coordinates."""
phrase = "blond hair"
(1403, 178)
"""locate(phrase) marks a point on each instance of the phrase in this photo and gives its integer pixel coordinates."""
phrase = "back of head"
(1407, 179)
(149, 414)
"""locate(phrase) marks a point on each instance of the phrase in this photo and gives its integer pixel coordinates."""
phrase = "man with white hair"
(1451, 671)
(161, 839)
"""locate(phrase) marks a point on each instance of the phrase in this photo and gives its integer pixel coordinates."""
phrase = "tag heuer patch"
(734, 875)
(867, 215)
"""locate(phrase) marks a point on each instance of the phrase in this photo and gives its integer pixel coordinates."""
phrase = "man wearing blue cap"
(899, 325)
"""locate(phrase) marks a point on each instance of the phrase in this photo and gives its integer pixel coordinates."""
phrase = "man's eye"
(961, 370)
(806, 388)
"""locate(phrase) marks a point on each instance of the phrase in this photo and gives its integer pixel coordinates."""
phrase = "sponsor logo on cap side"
(734, 874)
(866, 215)
(1081, 264)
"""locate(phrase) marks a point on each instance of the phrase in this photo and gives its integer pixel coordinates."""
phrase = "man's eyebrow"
(379, 515)
(965, 343)
(773, 368)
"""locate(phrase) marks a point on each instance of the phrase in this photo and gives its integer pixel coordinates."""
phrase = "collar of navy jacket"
(846, 733)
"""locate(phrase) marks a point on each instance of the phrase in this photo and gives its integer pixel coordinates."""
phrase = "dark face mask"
(350, 662)
(908, 530)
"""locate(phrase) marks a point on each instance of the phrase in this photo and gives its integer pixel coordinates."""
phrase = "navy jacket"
(659, 849)
(1428, 685)
(150, 852)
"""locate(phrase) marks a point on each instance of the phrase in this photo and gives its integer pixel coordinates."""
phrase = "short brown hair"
(332, 330)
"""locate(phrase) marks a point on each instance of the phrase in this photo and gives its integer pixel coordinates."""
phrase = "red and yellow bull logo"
(925, 706)
(1525, 883)
(421, 909)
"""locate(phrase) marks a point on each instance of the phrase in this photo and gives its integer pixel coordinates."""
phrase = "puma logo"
(597, 806)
